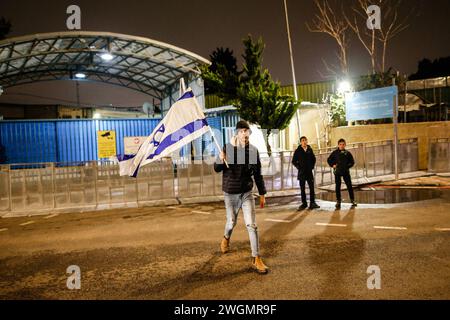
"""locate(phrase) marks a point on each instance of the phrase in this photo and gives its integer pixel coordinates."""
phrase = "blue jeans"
(234, 202)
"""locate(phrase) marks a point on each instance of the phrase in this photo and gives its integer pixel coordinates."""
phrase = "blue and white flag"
(184, 122)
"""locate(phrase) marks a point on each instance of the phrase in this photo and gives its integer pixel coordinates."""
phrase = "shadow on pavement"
(224, 268)
(334, 253)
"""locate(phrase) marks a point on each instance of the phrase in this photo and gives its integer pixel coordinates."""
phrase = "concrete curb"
(379, 179)
(204, 199)
(219, 198)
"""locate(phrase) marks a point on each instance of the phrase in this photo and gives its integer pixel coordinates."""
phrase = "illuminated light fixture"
(344, 87)
(106, 56)
(80, 75)
(97, 115)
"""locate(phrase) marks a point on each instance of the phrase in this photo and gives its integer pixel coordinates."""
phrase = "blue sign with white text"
(370, 104)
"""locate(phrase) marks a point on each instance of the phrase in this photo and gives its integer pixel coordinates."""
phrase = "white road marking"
(277, 220)
(3, 229)
(442, 229)
(390, 228)
(26, 223)
(201, 212)
(51, 216)
(172, 208)
(330, 224)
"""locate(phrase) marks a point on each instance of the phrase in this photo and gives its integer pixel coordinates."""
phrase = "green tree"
(261, 100)
(222, 76)
(256, 96)
(337, 109)
(5, 28)
(432, 69)
(379, 80)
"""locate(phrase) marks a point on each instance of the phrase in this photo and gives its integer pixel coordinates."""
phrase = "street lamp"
(294, 81)
(80, 75)
(344, 87)
(106, 56)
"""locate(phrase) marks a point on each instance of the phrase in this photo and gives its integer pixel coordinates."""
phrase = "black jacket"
(304, 161)
(343, 161)
(238, 177)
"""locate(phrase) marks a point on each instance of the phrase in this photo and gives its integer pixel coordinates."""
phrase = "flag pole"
(218, 147)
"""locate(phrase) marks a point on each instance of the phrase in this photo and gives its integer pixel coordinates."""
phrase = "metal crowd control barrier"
(439, 155)
(93, 185)
(89, 185)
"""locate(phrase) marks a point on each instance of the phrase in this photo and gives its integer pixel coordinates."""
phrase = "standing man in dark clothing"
(244, 165)
(305, 160)
(342, 160)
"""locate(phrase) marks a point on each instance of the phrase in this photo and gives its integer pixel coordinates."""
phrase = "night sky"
(201, 26)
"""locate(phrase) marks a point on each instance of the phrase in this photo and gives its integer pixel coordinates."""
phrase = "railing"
(91, 185)
(372, 159)
(439, 155)
(32, 188)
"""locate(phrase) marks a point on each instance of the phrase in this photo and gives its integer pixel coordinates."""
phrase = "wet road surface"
(173, 253)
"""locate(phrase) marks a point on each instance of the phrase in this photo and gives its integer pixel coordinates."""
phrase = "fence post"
(448, 148)
(175, 180)
(364, 160)
(68, 178)
(188, 169)
(282, 170)
(53, 185)
(430, 141)
(274, 169)
(213, 179)
(24, 189)
(291, 169)
(201, 178)
(108, 170)
(10, 187)
(161, 168)
(136, 190)
(95, 183)
(322, 172)
(374, 162)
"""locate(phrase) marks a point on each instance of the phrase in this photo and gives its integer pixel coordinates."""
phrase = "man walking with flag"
(185, 122)
(239, 163)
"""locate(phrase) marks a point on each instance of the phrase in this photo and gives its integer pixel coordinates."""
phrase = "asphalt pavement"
(172, 252)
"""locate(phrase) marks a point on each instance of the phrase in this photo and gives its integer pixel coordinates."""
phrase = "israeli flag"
(184, 122)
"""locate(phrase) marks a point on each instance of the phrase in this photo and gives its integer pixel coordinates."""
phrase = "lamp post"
(294, 82)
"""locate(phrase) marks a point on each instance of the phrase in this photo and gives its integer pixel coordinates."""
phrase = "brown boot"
(259, 265)
(225, 245)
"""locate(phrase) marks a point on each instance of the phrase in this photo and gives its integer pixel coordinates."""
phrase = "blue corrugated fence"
(71, 140)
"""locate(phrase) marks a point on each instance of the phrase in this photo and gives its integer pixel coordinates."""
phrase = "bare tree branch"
(338, 24)
(328, 21)
(394, 25)
(371, 40)
(332, 70)
(365, 36)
